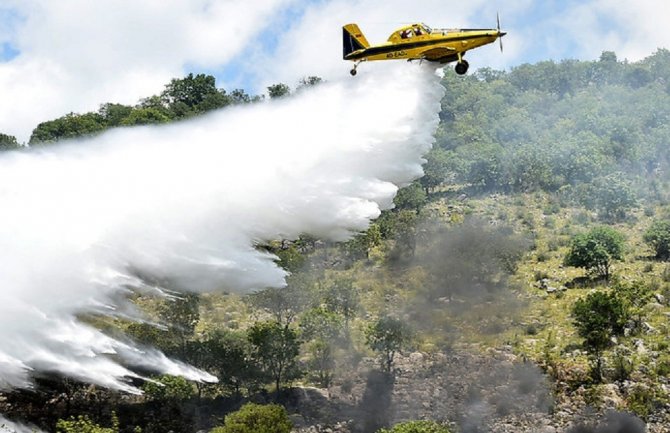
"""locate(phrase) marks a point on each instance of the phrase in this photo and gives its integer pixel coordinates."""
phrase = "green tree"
(596, 250)
(323, 329)
(309, 82)
(114, 114)
(226, 355)
(83, 424)
(612, 196)
(275, 350)
(167, 387)
(341, 297)
(658, 238)
(145, 116)
(285, 303)
(181, 314)
(387, 336)
(256, 418)
(417, 427)
(192, 95)
(69, 126)
(435, 170)
(635, 295)
(411, 197)
(279, 90)
(8, 142)
(360, 245)
(598, 317)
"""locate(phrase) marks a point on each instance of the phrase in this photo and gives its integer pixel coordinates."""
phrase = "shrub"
(256, 418)
(83, 424)
(169, 388)
(596, 250)
(658, 238)
(417, 427)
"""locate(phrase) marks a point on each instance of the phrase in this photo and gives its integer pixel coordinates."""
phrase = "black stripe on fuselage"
(373, 51)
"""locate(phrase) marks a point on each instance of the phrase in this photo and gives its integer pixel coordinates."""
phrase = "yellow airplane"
(419, 42)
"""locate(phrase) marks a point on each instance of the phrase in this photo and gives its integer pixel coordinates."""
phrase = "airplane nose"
(501, 34)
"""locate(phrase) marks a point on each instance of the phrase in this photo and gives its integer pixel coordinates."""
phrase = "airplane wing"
(437, 53)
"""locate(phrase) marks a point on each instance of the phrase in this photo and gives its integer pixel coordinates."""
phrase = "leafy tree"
(193, 94)
(239, 96)
(290, 258)
(151, 335)
(309, 82)
(320, 323)
(83, 424)
(612, 196)
(436, 169)
(69, 126)
(324, 328)
(145, 116)
(388, 336)
(417, 427)
(658, 238)
(360, 245)
(411, 197)
(226, 354)
(8, 142)
(635, 295)
(181, 314)
(342, 297)
(279, 90)
(256, 418)
(275, 349)
(597, 318)
(167, 387)
(285, 303)
(596, 250)
(321, 361)
(114, 114)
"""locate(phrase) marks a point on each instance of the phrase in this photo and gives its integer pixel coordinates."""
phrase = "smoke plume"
(186, 204)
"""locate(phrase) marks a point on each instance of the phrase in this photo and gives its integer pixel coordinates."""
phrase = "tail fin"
(353, 39)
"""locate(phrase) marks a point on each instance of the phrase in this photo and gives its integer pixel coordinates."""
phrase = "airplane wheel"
(353, 72)
(462, 67)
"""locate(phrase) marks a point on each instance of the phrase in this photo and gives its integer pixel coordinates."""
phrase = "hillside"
(458, 305)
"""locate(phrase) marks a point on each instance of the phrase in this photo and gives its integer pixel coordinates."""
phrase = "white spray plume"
(7, 426)
(188, 202)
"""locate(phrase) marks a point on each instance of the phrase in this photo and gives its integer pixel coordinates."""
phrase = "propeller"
(500, 34)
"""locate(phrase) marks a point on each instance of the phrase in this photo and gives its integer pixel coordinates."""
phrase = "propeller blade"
(500, 34)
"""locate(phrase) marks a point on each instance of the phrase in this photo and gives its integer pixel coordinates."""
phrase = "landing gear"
(353, 71)
(462, 67)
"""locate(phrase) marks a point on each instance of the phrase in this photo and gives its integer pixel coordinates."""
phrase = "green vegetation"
(596, 250)
(538, 174)
(388, 336)
(658, 238)
(598, 318)
(417, 427)
(256, 418)
(83, 424)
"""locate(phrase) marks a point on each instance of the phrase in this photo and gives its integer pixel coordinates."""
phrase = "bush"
(83, 424)
(417, 427)
(169, 388)
(596, 250)
(658, 238)
(256, 418)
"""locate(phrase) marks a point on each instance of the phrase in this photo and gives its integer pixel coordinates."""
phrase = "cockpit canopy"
(410, 32)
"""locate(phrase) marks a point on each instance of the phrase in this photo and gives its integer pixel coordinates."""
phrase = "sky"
(64, 56)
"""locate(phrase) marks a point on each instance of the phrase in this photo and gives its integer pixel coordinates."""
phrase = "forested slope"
(545, 204)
